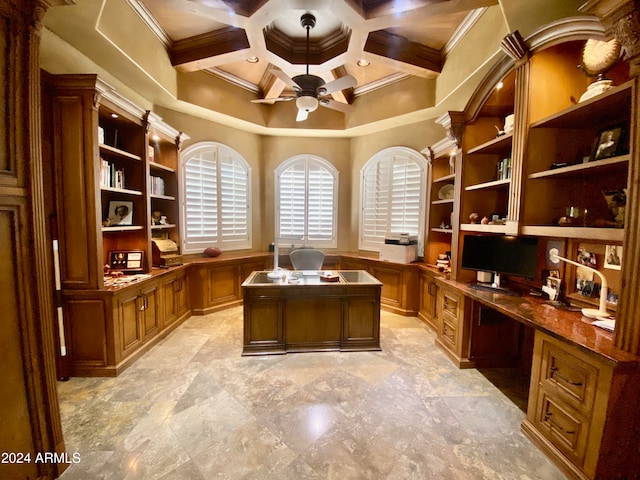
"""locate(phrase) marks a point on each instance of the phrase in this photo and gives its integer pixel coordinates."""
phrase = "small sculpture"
(485, 221)
(473, 218)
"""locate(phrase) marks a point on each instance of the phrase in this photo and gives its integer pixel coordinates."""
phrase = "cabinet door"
(182, 298)
(392, 286)
(223, 285)
(170, 305)
(263, 329)
(428, 289)
(128, 328)
(361, 324)
(150, 311)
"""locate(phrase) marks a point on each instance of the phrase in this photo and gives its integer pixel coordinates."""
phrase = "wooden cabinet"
(572, 394)
(445, 159)
(114, 165)
(487, 163)
(138, 317)
(107, 183)
(215, 285)
(452, 334)
(176, 298)
(399, 282)
(428, 298)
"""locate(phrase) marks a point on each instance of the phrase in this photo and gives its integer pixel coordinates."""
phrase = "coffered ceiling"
(396, 39)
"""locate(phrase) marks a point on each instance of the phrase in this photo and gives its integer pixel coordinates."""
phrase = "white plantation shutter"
(306, 197)
(375, 201)
(216, 198)
(393, 189)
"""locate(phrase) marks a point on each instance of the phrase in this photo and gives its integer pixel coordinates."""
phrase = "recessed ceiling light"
(114, 115)
(155, 137)
(499, 85)
(253, 59)
(363, 62)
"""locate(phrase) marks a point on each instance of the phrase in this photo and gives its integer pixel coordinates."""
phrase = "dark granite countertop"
(563, 324)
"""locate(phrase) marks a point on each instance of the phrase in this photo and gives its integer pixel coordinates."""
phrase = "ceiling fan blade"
(285, 78)
(271, 101)
(338, 84)
(302, 115)
(332, 104)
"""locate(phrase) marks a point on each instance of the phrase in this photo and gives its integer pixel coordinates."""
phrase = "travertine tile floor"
(193, 408)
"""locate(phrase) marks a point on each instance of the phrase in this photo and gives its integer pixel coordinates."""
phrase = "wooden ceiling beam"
(209, 49)
(395, 47)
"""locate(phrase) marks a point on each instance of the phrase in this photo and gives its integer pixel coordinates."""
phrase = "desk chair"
(306, 259)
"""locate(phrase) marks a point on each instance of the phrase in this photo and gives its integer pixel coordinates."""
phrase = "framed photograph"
(610, 143)
(120, 213)
(612, 298)
(613, 257)
(587, 259)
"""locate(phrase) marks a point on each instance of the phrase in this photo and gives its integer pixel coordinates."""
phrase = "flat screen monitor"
(516, 256)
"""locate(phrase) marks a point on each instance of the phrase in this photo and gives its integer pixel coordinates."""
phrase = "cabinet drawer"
(572, 378)
(449, 331)
(565, 427)
(450, 304)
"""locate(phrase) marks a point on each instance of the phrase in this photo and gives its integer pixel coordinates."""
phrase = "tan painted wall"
(526, 16)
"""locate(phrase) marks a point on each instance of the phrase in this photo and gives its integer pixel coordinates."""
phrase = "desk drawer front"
(563, 426)
(450, 305)
(571, 377)
(449, 332)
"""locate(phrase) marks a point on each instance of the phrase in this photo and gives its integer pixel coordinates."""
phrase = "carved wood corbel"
(621, 19)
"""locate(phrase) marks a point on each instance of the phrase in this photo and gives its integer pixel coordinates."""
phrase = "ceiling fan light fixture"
(363, 62)
(253, 59)
(306, 103)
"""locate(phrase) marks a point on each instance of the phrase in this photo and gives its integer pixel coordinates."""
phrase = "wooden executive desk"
(311, 314)
(584, 397)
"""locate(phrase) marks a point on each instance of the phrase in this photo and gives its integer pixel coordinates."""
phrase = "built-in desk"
(584, 395)
(301, 312)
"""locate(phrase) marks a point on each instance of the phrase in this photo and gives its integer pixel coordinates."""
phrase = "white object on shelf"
(398, 253)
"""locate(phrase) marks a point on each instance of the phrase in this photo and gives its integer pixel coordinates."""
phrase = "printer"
(399, 248)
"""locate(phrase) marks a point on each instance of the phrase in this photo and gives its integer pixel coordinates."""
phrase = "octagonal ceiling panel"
(399, 38)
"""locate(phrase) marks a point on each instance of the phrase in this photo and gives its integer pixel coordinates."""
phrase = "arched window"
(216, 183)
(306, 200)
(392, 196)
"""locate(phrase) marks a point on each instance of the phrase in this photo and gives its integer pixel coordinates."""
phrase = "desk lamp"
(587, 312)
(276, 273)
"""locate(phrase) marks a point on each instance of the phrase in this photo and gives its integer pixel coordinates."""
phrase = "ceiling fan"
(311, 90)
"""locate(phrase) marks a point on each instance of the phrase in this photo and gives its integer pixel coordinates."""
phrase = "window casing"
(306, 199)
(392, 197)
(216, 188)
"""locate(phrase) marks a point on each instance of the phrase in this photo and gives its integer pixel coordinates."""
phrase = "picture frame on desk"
(610, 142)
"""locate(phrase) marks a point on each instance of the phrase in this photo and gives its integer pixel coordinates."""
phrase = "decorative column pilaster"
(514, 46)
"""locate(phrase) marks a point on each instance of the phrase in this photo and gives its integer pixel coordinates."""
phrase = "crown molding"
(151, 22)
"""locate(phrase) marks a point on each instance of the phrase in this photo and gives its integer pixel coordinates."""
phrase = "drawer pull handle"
(553, 424)
(555, 373)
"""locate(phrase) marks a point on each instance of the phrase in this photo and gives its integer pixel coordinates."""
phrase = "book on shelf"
(157, 185)
(110, 176)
